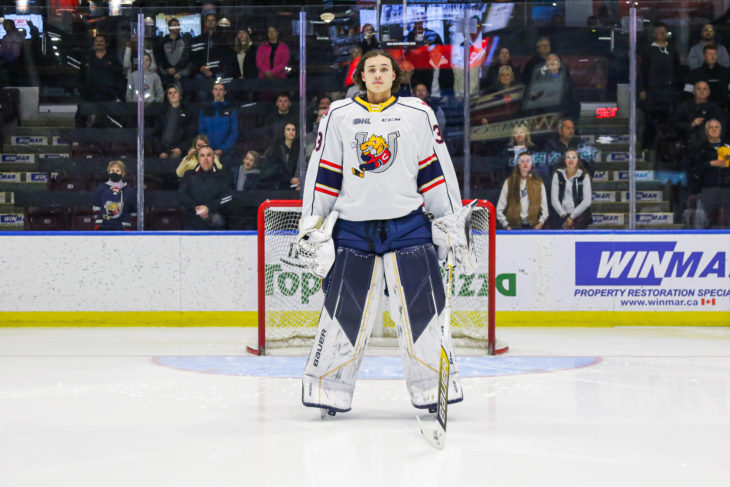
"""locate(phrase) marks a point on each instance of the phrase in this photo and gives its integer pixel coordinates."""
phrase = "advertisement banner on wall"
(616, 272)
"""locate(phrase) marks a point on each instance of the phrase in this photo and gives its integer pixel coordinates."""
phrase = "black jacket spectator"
(208, 49)
(212, 189)
(700, 173)
(279, 165)
(689, 118)
(717, 77)
(101, 78)
(658, 71)
(240, 59)
(174, 129)
(173, 53)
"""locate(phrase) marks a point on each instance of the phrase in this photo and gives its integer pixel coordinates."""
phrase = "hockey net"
(290, 297)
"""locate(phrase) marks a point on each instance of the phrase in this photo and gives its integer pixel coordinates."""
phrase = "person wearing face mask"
(114, 202)
(571, 194)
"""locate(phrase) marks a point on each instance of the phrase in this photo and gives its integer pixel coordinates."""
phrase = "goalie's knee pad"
(417, 301)
(350, 308)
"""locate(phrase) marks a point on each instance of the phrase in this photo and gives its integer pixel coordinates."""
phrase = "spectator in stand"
(322, 102)
(351, 64)
(554, 149)
(716, 76)
(280, 163)
(519, 142)
(248, 176)
(477, 56)
(272, 57)
(709, 175)
(438, 76)
(219, 121)
(284, 114)
(129, 62)
(571, 194)
(561, 141)
(241, 60)
(11, 45)
(190, 161)
(101, 80)
(554, 75)
(421, 91)
(658, 82)
(115, 203)
(174, 126)
(207, 53)
(153, 92)
(689, 119)
(369, 40)
(696, 52)
(505, 80)
(493, 72)
(523, 201)
(173, 54)
(538, 60)
(204, 192)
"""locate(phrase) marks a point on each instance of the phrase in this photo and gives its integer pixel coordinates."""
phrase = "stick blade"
(432, 431)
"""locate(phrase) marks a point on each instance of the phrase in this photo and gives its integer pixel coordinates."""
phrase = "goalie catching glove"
(315, 244)
(453, 232)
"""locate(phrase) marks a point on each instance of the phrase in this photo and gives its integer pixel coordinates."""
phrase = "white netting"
(294, 298)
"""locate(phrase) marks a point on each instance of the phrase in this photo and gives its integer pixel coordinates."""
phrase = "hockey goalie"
(381, 206)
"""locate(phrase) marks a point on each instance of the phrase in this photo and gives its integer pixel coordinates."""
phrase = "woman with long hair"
(241, 60)
(379, 165)
(280, 164)
(571, 193)
(523, 200)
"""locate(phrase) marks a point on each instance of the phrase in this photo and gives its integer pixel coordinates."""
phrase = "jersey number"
(437, 131)
(318, 144)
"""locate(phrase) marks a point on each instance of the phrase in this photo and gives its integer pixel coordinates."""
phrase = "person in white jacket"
(571, 193)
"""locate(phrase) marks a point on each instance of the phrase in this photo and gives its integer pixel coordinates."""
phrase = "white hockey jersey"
(379, 162)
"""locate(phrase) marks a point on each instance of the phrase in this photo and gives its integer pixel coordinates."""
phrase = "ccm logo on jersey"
(376, 153)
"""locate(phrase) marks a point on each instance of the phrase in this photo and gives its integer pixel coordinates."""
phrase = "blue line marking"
(372, 367)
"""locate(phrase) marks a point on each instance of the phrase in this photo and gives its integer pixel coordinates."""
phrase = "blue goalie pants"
(354, 290)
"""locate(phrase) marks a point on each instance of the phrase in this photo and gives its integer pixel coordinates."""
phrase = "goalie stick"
(435, 431)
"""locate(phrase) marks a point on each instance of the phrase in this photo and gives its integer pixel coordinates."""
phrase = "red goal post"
(290, 297)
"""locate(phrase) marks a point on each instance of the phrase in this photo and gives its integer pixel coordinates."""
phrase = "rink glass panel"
(50, 168)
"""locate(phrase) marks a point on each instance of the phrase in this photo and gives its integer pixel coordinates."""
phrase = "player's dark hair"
(400, 75)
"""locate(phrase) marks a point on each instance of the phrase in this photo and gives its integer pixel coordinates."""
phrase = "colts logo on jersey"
(375, 152)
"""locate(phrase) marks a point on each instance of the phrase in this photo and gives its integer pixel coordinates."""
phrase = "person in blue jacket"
(219, 121)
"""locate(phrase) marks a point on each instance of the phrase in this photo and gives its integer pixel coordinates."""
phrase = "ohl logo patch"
(375, 152)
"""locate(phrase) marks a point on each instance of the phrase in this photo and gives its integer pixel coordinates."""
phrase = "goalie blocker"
(400, 253)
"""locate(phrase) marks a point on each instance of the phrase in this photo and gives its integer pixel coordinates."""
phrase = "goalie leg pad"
(416, 303)
(350, 310)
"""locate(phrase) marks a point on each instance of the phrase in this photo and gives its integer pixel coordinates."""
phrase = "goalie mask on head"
(453, 231)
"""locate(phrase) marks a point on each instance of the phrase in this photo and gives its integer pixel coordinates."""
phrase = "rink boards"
(197, 279)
